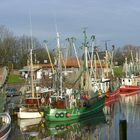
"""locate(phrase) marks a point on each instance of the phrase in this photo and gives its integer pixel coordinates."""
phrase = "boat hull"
(113, 97)
(129, 90)
(95, 105)
(55, 128)
(29, 115)
(6, 126)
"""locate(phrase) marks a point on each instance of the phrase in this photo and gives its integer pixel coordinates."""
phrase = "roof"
(71, 62)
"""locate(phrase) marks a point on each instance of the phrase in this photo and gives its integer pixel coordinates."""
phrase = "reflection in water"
(23, 129)
(130, 110)
(85, 129)
(122, 119)
(25, 124)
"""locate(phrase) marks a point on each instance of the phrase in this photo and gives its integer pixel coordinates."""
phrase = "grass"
(12, 79)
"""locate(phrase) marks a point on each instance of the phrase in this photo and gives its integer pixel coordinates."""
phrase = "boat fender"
(68, 114)
(57, 115)
(68, 126)
(99, 92)
(61, 114)
(42, 100)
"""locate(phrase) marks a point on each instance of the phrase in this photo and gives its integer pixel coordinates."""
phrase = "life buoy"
(57, 127)
(68, 114)
(61, 115)
(42, 100)
(62, 127)
(57, 115)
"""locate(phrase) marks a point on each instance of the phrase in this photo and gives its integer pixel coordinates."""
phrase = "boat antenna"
(55, 23)
(31, 33)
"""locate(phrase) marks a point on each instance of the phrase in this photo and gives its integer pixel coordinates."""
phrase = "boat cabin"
(127, 81)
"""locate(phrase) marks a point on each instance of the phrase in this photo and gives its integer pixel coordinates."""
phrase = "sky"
(115, 21)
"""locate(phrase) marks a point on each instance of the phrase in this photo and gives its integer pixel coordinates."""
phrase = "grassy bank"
(13, 79)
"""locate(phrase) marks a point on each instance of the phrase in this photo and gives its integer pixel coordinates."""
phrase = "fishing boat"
(111, 91)
(5, 125)
(104, 80)
(112, 97)
(71, 104)
(113, 88)
(30, 108)
(130, 84)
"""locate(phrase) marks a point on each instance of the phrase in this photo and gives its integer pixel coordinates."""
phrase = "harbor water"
(118, 121)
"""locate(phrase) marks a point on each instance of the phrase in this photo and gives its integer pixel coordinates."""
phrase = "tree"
(41, 55)
(7, 43)
(129, 51)
(23, 46)
(118, 56)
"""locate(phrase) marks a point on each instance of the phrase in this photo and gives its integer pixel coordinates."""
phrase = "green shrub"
(118, 71)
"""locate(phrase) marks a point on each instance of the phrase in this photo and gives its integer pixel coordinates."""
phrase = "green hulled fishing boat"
(70, 104)
(93, 105)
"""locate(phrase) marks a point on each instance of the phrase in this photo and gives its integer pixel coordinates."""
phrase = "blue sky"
(114, 20)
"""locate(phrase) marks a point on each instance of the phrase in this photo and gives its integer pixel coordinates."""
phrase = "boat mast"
(132, 64)
(86, 51)
(86, 61)
(31, 62)
(75, 52)
(59, 63)
(106, 53)
(45, 43)
(95, 62)
(126, 67)
(112, 56)
(98, 58)
(32, 73)
(92, 53)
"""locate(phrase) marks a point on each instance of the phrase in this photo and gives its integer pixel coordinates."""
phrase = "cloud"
(108, 19)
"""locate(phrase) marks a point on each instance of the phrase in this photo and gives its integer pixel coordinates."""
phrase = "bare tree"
(7, 43)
